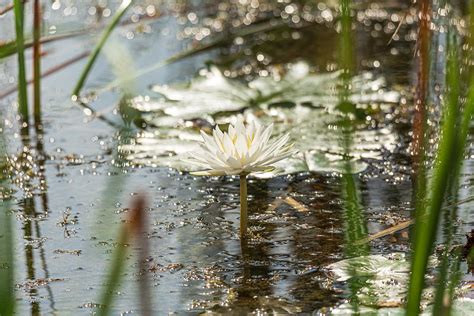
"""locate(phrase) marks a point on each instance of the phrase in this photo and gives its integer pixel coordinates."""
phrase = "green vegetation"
(22, 84)
(103, 39)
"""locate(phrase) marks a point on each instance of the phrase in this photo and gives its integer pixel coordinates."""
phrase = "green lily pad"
(303, 103)
(386, 284)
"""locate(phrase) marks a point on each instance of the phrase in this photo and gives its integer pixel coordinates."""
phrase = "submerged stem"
(243, 206)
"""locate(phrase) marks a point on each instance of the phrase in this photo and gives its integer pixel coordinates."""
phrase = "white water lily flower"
(242, 150)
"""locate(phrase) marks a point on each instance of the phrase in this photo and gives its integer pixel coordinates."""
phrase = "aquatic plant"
(7, 285)
(20, 44)
(240, 151)
(36, 62)
(7, 263)
(95, 53)
(300, 102)
(134, 227)
(443, 186)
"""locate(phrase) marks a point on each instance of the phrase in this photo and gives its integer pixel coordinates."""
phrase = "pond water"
(72, 180)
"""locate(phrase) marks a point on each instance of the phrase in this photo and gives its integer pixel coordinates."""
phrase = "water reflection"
(30, 168)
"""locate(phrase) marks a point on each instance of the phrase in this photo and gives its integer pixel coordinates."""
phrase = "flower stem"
(243, 206)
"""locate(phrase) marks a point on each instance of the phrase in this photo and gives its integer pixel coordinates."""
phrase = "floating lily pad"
(386, 282)
(461, 306)
(303, 103)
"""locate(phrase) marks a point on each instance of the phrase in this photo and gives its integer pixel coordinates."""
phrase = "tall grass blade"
(427, 220)
(48, 72)
(36, 62)
(105, 35)
(346, 45)
(135, 225)
(22, 85)
(9, 48)
(7, 286)
(115, 272)
(468, 112)
(9, 8)
(445, 291)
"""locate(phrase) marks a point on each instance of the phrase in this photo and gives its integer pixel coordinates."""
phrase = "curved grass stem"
(120, 12)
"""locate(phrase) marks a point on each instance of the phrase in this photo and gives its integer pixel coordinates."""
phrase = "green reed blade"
(8, 49)
(427, 220)
(463, 131)
(105, 35)
(135, 226)
(346, 57)
(455, 278)
(36, 62)
(115, 272)
(469, 108)
(7, 285)
(22, 85)
(441, 306)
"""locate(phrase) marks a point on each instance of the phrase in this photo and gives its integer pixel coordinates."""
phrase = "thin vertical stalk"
(346, 57)
(419, 142)
(427, 221)
(7, 286)
(243, 206)
(7, 271)
(419, 120)
(144, 252)
(135, 226)
(20, 42)
(469, 108)
(115, 272)
(445, 291)
(36, 62)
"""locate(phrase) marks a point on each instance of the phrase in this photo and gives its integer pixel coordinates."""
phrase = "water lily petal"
(250, 133)
(231, 132)
(275, 146)
(239, 125)
(219, 139)
(209, 142)
(214, 161)
(265, 136)
(229, 147)
(234, 163)
(218, 132)
(241, 146)
(275, 158)
(209, 173)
